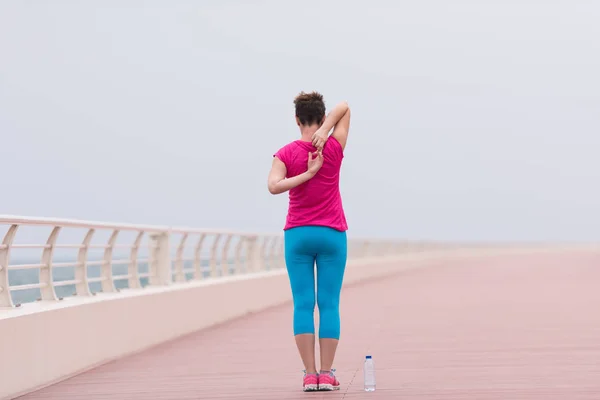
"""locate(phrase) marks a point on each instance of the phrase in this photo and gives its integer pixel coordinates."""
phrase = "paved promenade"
(505, 328)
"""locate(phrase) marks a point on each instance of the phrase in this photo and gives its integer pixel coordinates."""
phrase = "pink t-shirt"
(318, 201)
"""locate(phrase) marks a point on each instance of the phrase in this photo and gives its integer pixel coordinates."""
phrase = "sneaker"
(310, 382)
(328, 381)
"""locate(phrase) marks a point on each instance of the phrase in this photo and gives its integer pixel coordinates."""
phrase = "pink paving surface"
(506, 327)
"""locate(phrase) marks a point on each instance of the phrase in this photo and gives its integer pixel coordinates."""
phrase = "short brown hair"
(310, 108)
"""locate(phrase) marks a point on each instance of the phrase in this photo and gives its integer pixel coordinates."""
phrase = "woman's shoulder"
(286, 152)
(293, 145)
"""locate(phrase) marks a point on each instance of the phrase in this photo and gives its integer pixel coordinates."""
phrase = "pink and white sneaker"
(328, 381)
(310, 382)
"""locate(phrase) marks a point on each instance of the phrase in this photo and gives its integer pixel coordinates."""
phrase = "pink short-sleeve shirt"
(318, 201)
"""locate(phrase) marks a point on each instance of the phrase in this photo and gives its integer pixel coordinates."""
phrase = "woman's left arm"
(277, 177)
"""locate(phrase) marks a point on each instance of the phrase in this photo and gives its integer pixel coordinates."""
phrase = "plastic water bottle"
(369, 370)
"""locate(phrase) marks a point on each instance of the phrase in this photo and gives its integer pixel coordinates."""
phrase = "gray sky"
(471, 119)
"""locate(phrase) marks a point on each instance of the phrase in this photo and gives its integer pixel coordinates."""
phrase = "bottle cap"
(369, 357)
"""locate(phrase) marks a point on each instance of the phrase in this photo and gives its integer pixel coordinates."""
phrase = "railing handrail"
(75, 223)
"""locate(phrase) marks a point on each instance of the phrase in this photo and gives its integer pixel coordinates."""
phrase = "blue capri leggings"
(327, 247)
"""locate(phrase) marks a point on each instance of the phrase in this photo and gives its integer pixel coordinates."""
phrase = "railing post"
(5, 298)
(82, 288)
(108, 282)
(133, 269)
(198, 272)
(273, 259)
(281, 256)
(47, 291)
(213, 256)
(160, 262)
(179, 273)
(225, 267)
(253, 252)
(238, 256)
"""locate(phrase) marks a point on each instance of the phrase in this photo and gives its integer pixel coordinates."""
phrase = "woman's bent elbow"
(273, 189)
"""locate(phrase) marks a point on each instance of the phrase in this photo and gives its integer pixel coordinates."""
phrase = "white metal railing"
(133, 256)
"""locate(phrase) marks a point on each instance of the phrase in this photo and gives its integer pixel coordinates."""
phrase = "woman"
(315, 229)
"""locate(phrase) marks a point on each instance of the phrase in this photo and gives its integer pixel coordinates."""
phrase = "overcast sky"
(471, 119)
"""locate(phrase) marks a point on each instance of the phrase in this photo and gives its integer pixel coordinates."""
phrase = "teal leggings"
(327, 247)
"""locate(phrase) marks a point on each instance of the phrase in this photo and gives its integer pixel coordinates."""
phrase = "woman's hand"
(315, 162)
(319, 138)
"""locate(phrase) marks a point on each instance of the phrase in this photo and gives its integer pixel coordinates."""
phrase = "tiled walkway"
(506, 328)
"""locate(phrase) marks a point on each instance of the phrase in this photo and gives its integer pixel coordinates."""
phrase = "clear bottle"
(369, 370)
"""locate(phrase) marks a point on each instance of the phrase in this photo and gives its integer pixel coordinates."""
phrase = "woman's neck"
(307, 132)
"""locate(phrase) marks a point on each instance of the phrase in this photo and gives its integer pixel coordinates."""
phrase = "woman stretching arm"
(314, 231)
(279, 184)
